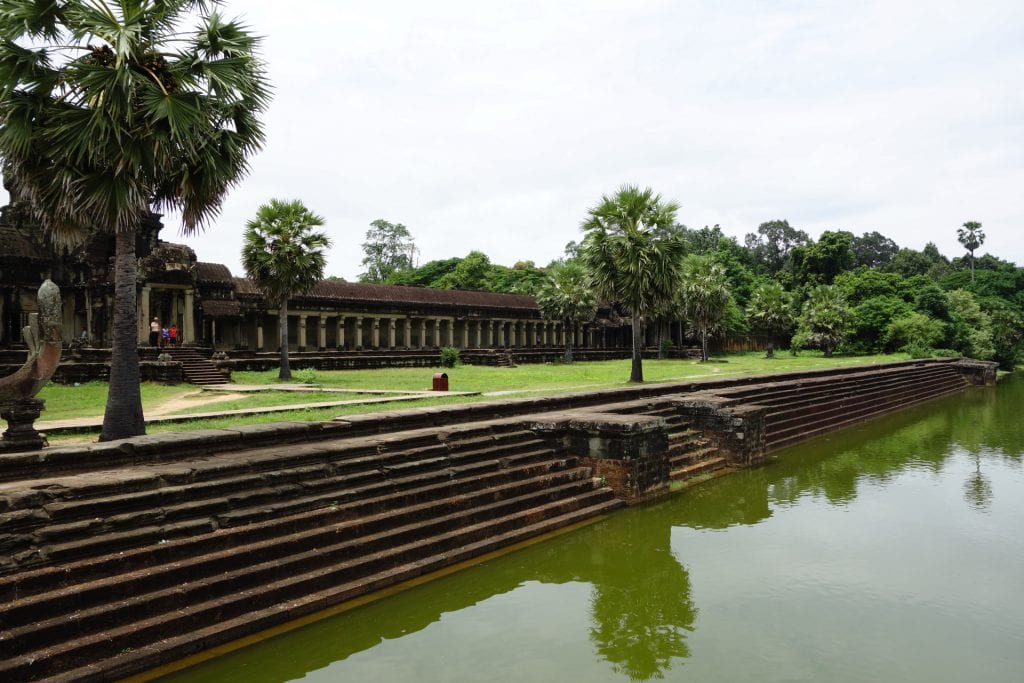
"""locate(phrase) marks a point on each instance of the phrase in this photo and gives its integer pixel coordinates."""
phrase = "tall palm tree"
(109, 110)
(284, 256)
(568, 297)
(971, 236)
(633, 256)
(770, 311)
(704, 294)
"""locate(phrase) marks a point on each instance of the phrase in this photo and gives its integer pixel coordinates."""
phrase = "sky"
(494, 126)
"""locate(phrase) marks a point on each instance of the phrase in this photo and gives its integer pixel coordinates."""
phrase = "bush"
(449, 356)
(918, 350)
(305, 376)
(666, 348)
(946, 353)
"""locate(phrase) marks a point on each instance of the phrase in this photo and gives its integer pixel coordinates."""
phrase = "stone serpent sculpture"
(17, 403)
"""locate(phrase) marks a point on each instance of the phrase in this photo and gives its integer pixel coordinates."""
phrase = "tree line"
(845, 293)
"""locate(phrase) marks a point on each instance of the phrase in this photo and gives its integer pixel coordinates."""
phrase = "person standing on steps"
(154, 332)
(173, 333)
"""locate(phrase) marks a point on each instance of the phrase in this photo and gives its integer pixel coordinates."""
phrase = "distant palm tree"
(704, 294)
(568, 297)
(633, 257)
(824, 320)
(109, 110)
(971, 236)
(770, 310)
(284, 256)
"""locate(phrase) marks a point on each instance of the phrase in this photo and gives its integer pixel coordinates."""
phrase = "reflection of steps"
(195, 369)
(155, 561)
(799, 410)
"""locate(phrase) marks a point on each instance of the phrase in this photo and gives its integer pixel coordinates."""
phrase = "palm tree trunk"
(567, 358)
(636, 372)
(123, 415)
(282, 324)
(704, 344)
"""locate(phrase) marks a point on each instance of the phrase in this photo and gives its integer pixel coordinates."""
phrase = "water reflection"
(641, 617)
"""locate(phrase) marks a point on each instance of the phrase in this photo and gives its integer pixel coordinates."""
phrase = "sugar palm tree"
(633, 257)
(704, 295)
(109, 110)
(971, 236)
(284, 256)
(770, 311)
(568, 297)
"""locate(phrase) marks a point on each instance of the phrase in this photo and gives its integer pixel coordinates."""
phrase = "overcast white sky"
(495, 125)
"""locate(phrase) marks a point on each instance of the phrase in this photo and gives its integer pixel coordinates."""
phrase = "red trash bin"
(440, 381)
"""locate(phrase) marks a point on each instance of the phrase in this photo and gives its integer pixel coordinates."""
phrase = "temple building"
(213, 308)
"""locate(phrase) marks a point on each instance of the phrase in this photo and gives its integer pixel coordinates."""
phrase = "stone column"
(259, 336)
(322, 340)
(423, 333)
(339, 335)
(375, 334)
(302, 332)
(479, 331)
(392, 324)
(407, 333)
(188, 327)
(604, 338)
(437, 332)
(465, 334)
(144, 316)
(359, 333)
(501, 333)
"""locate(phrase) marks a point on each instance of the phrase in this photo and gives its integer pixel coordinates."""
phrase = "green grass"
(88, 400)
(589, 375)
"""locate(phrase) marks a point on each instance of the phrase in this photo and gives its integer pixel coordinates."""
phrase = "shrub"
(666, 348)
(946, 353)
(305, 376)
(918, 350)
(449, 356)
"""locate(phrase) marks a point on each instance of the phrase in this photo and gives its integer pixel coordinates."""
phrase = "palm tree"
(109, 110)
(284, 256)
(770, 311)
(568, 297)
(824, 320)
(971, 236)
(633, 257)
(704, 295)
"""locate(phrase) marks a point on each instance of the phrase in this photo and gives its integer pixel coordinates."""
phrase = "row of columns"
(181, 307)
(385, 332)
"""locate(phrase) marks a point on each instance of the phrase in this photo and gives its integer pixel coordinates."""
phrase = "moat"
(889, 551)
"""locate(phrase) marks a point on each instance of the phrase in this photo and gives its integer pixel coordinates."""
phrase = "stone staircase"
(121, 570)
(196, 369)
(803, 409)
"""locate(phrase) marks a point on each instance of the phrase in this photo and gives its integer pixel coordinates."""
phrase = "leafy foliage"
(388, 248)
(704, 296)
(568, 297)
(824, 320)
(631, 257)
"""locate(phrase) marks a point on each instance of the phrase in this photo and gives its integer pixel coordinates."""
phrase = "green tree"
(704, 295)
(109, 110)
(568, 297)
(971, 236)
(388, 248)
(824, 320)
(473, 272)
(971, 326)
(631, 259)
(284, 256)
(772, 244)
(914, 330)
(873, 249)
(770, 311)
(822, 261)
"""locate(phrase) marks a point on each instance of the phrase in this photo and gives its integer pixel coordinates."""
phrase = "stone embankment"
(120, 556)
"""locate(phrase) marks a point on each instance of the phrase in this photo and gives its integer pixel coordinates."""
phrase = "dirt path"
(191, 399)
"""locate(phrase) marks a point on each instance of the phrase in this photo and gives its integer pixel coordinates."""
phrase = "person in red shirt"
(173, 333)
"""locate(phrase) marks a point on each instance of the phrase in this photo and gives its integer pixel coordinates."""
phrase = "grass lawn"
(88, 400)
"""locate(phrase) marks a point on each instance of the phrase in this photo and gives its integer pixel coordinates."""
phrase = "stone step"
(777, 439)
(152, 545)
(698, 468)
(785, 419)
(877, 387)
(153, 590)
(318, 588)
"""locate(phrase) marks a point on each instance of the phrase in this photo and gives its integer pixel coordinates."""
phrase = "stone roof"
(245, 286)
(362, 292)
(16, 247)
(222, 308)
(213, 273)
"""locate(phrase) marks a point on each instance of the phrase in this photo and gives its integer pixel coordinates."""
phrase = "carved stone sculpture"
(18, 404)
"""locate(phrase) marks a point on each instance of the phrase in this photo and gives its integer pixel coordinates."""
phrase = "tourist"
(165, 336)
(154, 332)
(173, 332)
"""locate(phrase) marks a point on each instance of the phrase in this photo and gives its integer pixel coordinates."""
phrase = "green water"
(889, 552)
